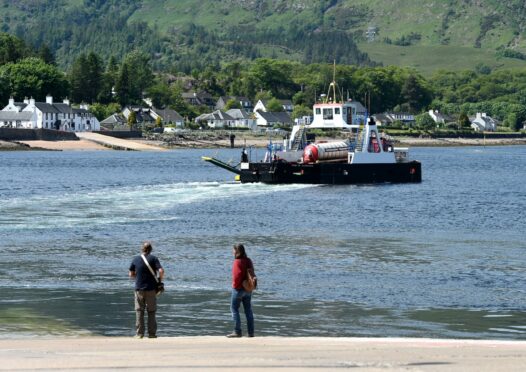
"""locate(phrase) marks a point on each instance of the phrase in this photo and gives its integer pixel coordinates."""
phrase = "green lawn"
(428, 59)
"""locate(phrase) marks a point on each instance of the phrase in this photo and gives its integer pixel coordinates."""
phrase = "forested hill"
(187, 34)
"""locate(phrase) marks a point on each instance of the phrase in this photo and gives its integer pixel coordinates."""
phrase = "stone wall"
(13, 134)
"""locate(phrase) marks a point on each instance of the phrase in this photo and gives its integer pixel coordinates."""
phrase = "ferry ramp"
(117, 143)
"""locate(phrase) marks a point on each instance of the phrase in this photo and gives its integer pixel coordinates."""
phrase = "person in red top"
(239, 295)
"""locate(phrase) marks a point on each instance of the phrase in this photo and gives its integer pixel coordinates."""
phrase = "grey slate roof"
(63, 108)
(276, 117)
(114, 119)
(46, 107)
(168, 115)
(13, 115)
(238, 114)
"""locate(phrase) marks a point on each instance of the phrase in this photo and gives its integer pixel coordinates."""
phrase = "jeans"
(145, 300)
(241, 296)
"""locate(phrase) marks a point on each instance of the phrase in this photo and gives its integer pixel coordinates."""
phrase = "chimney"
(26, 100)
(11, 101)
(49, 99)
(66, 101)
(479, 115)
(31, 102)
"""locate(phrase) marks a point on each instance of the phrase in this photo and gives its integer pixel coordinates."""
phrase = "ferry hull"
(331, 173)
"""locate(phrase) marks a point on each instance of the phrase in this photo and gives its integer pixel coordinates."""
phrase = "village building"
(216, 119)
(199, 99)
(49, 115)
(483, 123)
(244, 102)
(145, 117)
(388, 118)
(262, 104)
(270, 119)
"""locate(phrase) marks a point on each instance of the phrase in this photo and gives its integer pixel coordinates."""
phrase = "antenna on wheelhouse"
(332, 85)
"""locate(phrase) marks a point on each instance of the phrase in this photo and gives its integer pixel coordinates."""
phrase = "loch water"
(443, 258)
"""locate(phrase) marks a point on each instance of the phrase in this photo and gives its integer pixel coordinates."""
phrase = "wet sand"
(263, 353)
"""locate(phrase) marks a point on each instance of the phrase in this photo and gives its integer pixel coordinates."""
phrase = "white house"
(58, 116)
(437, 116)
(145, 116)
(269, 119)
(261, 105)
(15, 119)
(482, 122)
(242, 119)
(216, 119)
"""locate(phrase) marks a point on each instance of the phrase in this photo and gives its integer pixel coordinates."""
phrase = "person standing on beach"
(145, 289)
(240, 268)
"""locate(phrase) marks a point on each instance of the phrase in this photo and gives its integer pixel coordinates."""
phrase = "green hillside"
(183, 35)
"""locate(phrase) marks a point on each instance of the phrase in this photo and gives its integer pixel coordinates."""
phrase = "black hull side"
(332, 173)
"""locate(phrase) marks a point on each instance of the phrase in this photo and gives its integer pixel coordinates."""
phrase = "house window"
(337, 111)
(318, 111)
(327, 114)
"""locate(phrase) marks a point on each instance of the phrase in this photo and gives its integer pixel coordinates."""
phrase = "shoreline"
(262, 353)
(86, 145)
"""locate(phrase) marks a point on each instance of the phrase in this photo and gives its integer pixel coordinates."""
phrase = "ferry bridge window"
(336, 111)
(327, 114)
(318, 111)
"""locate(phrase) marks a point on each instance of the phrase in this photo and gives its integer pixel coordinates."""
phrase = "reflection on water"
(445, 258)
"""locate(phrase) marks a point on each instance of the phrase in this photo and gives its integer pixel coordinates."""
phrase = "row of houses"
(63, 116)
(480, 122)
(30, 114)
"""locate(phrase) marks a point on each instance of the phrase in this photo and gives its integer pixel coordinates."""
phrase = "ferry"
(365, 157)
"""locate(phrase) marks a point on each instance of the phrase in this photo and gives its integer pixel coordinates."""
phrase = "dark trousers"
(145, 300)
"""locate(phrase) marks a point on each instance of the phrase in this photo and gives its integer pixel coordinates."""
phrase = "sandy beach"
(264, 353)
(260, 142)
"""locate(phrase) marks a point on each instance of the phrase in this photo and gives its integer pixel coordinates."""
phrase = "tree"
(301, 111)
(424, 121)
(102, 111)
(77, 78)
(46, 55)
(140, 75)
(123, 85)
(32, 77)
(415, 94)
(232, 103)
(463, 120)
(274, 105)
(160, 94)
(12, 49)
(132, 119)
(159, 122)
(95, 77)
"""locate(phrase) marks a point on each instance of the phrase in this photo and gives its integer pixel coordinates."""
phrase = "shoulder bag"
(160, 285)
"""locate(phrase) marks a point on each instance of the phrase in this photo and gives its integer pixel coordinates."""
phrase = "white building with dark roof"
(483, 123)
(269, 119)
(216, 119)
(58, 116)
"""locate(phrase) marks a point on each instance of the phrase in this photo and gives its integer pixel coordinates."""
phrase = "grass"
(428, 59)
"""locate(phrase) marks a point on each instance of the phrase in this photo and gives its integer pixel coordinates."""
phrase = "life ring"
(412, 170)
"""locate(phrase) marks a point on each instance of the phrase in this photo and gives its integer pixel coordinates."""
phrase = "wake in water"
(120, 205)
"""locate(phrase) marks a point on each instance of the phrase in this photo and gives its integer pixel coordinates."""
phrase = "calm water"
(444, 258)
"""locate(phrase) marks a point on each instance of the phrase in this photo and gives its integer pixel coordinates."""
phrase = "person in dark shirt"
(239, 295)
(145, 289)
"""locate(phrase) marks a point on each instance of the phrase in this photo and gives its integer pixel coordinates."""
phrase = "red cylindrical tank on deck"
(325, 151)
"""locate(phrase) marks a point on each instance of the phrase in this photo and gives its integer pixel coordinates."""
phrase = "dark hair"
(146, 247)
(239, 250)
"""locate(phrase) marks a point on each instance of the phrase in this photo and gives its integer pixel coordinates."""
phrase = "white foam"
(120, 205)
